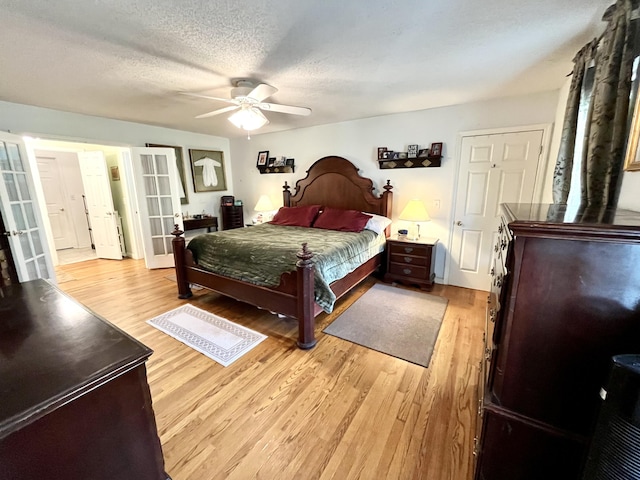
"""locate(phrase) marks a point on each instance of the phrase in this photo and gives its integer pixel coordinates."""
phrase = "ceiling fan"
(248, 99)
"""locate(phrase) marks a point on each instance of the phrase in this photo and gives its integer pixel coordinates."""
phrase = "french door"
(21, 213)
(157, 191)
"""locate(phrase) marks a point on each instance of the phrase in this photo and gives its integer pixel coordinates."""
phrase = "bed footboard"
(299, 304)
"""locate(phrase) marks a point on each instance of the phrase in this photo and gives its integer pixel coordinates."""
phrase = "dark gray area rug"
(399, 322)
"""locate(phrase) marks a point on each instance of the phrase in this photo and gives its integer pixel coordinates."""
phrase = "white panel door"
(157, 191)
(494, 169)
(20, 212)
(54, 196)
(102, 215)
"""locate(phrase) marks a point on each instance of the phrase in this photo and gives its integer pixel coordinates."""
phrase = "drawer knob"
(408, 249)
(408, 259)
(503, 244)
(500, 228)
(407, 271)
(493, 271)
(496, 248)
(499, 281)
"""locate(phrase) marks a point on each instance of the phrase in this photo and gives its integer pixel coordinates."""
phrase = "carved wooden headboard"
(335, 182)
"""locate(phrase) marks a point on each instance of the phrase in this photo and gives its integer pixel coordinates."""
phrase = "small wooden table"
(411, 261)
(205, 222)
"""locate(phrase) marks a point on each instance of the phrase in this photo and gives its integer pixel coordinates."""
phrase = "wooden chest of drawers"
(411, 261)
(563, 300)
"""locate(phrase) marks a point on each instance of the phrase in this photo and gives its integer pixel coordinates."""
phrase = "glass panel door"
(159, 202)
(20, 212)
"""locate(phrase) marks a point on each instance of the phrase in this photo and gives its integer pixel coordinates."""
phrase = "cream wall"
(53, 124)
(358, 141)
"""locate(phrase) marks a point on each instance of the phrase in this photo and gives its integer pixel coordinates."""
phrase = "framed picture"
(632, 156)
(289, 162)
(423, 153)
(262, 158)
(184, 198)
(207, 167)
(412, 151)
(436, 150)
(387, 155)
(271, 161)
(280, 161)
(381, 151)
(402, 155)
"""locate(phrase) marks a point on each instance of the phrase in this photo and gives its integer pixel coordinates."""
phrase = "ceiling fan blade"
(276, 107)
(197, 95)
(218, 112)
(261, 92)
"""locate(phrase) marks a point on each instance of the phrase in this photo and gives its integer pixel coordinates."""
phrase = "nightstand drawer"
(405, 270)
(424, 261)
(410, 249)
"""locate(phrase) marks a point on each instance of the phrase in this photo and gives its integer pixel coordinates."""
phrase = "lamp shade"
(264, 204)
(415, 211)
(248, 119)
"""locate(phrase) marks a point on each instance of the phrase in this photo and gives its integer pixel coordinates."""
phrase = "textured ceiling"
(129, 59)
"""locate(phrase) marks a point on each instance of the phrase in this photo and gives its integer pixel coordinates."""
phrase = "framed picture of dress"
(207, 168)
(184, 196)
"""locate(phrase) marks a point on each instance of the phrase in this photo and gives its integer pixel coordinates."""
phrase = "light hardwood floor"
(338, 411)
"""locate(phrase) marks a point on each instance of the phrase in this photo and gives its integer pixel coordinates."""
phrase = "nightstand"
(411, 261)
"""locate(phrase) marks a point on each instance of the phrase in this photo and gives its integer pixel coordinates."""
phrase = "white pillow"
(377, 223)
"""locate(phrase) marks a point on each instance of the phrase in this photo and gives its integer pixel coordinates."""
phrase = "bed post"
(387, 196)
(286, 195)
(178, 257)
(305, 299)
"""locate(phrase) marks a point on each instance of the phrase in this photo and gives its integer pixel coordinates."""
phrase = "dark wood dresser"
(232, 216)
(565, 298)
(74, 398)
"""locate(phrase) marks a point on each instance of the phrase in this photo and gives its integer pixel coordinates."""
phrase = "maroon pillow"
(296, 216)
(342, 220)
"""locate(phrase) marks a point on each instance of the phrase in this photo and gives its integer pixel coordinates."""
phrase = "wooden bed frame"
(332, 182)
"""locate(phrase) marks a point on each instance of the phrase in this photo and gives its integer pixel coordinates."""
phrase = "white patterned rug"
(213, 336)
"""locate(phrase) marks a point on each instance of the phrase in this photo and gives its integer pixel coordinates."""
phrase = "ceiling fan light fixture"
(248, 119)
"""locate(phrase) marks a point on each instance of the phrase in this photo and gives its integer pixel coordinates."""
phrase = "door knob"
(62, 209)
(459, 223)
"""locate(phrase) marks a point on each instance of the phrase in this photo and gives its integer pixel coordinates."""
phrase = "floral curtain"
(606, 126)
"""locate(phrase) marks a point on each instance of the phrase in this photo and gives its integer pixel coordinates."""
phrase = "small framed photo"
(387, 155)
(271, 161)
(262, 158)
(381, 151)
(402, 155)
(289, 162)
(436, 150)
(423, 153)
(412, 151)
(279, 162)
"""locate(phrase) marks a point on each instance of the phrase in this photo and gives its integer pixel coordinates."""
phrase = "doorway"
(67, 210)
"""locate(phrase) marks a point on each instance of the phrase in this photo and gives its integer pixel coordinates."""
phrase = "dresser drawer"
(410, 249)
(411, 259)
(405, 270)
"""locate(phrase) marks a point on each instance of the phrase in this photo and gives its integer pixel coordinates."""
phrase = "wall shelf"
(281, 169)
(420, 162)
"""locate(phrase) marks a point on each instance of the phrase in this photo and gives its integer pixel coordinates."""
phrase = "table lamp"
(264, 205)
(415, 211)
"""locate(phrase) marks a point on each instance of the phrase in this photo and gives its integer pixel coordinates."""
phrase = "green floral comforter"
(260, 254)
